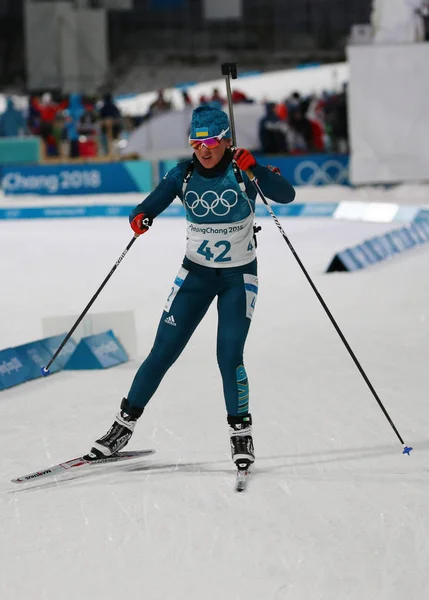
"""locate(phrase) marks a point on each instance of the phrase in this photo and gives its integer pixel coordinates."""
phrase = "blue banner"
(136, 176)
(82, 179)
(311, 169)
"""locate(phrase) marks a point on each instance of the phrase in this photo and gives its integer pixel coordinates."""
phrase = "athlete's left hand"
(244, 159)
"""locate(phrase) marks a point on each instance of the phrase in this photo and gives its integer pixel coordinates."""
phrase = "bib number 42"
(219, 254)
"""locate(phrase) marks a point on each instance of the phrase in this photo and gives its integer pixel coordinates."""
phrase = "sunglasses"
(210, 143)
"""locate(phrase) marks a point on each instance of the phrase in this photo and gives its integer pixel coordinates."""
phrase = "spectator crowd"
(78, 127)
(70, 127)
(299, 124)
(303, 125)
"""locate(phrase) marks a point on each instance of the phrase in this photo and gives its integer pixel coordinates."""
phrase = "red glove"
(244, 159)
(141, 223)
(274, 169)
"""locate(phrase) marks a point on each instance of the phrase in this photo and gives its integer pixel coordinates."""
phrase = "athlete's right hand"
(141, 223)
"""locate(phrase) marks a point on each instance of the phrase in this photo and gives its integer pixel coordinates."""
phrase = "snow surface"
(334, 510)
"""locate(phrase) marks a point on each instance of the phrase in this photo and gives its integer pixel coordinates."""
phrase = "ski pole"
(229, 70)
(45, 370)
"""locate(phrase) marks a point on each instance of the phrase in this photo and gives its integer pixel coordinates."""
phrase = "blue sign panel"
(24, 362)
(13, 369)
(99, 351)
(379, 248)
(369, 252)
(52, 344)
(83, 179)
(14, 150)
(423, 227)
(420, 231)
(423, 215)
(165, 166)
(33, 356)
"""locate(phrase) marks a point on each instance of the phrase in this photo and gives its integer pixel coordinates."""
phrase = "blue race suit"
(219, 262)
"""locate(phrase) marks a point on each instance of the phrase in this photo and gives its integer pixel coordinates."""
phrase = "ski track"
(332, 511)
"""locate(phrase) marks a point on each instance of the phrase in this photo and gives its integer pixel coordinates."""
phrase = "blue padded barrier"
(99, 351)
(23, 363)
(34, 356)
(12, 369)
(422, 215)
(52, 344)
(380, 247)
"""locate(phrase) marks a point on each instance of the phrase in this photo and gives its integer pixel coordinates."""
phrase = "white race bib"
(221, 245)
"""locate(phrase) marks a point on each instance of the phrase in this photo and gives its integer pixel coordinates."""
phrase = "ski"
(241, 480)
(79, 462)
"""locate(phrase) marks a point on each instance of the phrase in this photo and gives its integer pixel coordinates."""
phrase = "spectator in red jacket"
(47, 108)
(48, 111)
(238, 97)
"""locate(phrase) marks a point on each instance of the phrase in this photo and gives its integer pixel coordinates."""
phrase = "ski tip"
(44, 371)
(407, 450)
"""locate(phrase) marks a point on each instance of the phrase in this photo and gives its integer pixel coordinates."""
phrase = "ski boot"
(240, 431)
(119, 433)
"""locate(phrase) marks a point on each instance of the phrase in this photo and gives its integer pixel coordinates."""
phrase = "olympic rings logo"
(211, 202)
(330, 172)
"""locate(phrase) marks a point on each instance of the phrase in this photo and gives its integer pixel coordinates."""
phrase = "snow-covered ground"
(334, 510)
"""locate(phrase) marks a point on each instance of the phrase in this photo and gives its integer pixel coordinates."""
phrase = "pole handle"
(229, 68)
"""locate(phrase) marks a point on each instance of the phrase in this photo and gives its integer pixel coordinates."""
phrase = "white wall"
(396, 21)
(222, 9)
(69, 51)
(388, 113)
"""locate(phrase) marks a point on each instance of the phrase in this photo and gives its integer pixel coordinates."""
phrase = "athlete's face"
(209, 158)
